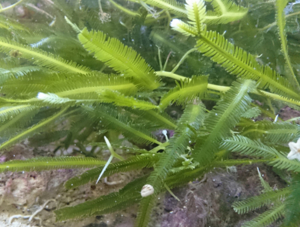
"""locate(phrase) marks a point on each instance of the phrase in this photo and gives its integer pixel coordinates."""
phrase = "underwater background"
(198, 99)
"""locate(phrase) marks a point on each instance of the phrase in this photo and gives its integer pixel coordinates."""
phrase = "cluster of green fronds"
(80, 80)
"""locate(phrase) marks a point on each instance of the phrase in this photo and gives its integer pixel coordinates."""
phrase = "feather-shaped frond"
(183, 28)
(67, 86)
(134, 163)
(111, 119)
(225, 11)
(162, 119)
(253, 203)
(171, 5)
(7, 113)
(11, 25)
(186, 91)
(18, 121)
(279, 132)
(32, 130)
(280, 17)
(28, 86)
(247, 146)
(46, 163)
(238, 62)
(119, 99)
(188, 124)
(222, 118)
(127, 196)
(17, 71)
(193, 116)
(266, 218)
(42, 58)
(252, 113)
(89, 86)
(196, 12)
(292, 202)
(120, 57)
(282, 162)
(256, 148)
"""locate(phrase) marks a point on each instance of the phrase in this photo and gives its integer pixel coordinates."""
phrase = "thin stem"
(166, 62)
(274, 23)
(125, 10)
(160, 147)
(11, 6)
(225, 88)
(159, 59)
(293, 119)
(100, 6)
(182, 59)
(169, 19)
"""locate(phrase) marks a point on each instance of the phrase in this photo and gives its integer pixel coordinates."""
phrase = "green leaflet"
(280, 17)
(27, 86)
(222, 118)
(89, 86)
(257, 202)
(127, 196)
(196, 12)
(238, 62)
(17, 71)
(279, 132)
(14, 118)
(292, 203)
(118, 99)
(191, 118)
(247, 146)
(256, 148)
(225, 11)
(64, 85)
(41, 58)
(186, 91)
(47, 163)
(10, 112)
(111, 119)
(162, 119)
(11, 25)
(109, 203)
(266, 218)
(32, 130)
(17, 123)
(252, 113)
(120, 57)
(134, 163)
(281, 162)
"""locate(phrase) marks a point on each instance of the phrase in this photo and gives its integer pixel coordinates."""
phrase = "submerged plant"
(107, 89)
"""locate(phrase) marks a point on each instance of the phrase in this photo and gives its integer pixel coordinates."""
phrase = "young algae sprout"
(113, 154)
(104, 17)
